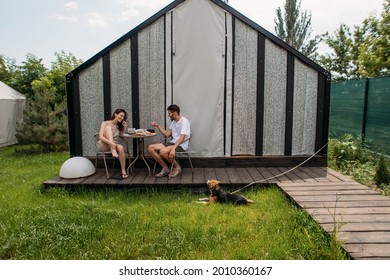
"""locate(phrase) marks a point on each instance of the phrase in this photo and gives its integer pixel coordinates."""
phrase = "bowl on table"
(131, 130)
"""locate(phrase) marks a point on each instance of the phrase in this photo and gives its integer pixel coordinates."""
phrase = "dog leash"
(281, 174)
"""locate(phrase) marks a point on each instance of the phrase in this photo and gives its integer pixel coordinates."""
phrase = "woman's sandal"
(162, 173)
(125, 176)
(175, 172)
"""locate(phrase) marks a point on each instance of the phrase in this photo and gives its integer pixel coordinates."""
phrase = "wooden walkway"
(360, 215)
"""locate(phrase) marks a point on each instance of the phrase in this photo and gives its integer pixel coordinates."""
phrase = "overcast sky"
(85, 27)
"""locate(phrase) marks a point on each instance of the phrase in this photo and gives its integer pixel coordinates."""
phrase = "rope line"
(281, 174)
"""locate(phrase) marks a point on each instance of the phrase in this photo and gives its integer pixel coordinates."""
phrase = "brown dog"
(220, 196)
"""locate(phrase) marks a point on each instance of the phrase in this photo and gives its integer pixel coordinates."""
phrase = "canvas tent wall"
(245, 91)
(12, 104)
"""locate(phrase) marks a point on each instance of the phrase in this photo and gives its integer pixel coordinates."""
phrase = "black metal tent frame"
(323, 96)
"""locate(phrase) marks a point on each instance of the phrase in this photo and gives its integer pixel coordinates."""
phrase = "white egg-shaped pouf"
(77, 167)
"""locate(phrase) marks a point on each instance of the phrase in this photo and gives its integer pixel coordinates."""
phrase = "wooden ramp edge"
(358, 215)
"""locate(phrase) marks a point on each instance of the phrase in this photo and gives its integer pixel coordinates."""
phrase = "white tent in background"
(12, 104)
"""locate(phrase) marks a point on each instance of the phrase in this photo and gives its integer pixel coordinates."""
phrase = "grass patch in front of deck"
(154, 224)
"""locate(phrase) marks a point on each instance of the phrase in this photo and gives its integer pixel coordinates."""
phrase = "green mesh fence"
(362, 108)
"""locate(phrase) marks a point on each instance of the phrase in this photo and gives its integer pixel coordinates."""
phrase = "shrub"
(382, 172)
(347, 149)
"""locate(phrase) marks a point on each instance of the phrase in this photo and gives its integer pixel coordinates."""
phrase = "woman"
(108, 137)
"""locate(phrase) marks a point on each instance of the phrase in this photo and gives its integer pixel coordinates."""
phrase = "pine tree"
(45, 123)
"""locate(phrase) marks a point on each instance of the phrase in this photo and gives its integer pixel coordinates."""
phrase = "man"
(180, 131)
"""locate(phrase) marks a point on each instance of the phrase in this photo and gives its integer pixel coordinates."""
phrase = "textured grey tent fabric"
(12, 104)
(246, 92)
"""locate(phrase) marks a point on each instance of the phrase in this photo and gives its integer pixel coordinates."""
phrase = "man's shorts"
(178, 149)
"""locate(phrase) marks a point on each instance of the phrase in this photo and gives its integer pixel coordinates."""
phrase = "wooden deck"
(228, 176)
(360, 214)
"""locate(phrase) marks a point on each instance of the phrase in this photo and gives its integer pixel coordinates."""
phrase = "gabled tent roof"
(223, 5)
(7, 92)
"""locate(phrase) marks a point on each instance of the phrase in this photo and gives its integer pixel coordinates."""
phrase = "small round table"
(140, 147)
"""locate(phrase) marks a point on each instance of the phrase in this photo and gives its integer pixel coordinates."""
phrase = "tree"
(45, 124)
(32, 69)
(63, 64)
(294, 27)
(7, 70)
(365, 52)
(339, 62)
(374, 51)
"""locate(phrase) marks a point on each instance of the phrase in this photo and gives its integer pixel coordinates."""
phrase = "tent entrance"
(196, 72)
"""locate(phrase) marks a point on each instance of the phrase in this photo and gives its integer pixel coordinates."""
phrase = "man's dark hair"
(174, 108)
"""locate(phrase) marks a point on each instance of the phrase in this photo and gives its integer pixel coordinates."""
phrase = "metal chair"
(178, 153)
(108, 154)
(105, 155)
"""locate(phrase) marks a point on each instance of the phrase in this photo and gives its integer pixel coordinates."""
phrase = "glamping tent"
(247, 94)
(12, 104)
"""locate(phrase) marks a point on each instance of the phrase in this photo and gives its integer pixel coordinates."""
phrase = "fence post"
(364, 123)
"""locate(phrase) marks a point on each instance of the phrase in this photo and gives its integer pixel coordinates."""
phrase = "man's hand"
(172, 153)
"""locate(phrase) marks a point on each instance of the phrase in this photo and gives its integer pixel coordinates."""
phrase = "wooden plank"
(349, 211)
(351, 227)
(221, 175)
(332, 178)
(209, 173)
(77, 181)
(330, 198)
(245, 175)
(186, 178)
(320, 192)
(339, 175)
(140, 175)
(175, 180)
(198, 177)
(150, 180)
(316, 174)
(268, 176)
(344, 204)
(276, 172)
(368, 251)
(115, 177)
(326, 219)
(53, 180)
(162, 181)
(320, 184)
(256, 175)
(326, 188)
(233, 176)
(291, 175)
(127, 181)
(92, 179)
(303, 175)
(377, 237)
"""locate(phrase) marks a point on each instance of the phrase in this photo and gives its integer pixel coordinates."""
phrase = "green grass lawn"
(149, 225)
